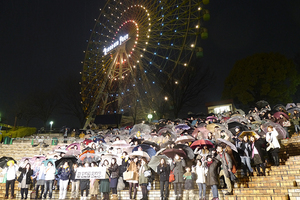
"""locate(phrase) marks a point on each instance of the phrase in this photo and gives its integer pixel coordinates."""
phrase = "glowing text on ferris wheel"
(117, 43)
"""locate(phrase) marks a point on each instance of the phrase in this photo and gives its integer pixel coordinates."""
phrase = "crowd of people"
(187, 154)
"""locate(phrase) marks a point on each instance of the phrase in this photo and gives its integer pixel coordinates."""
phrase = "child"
(189, 178)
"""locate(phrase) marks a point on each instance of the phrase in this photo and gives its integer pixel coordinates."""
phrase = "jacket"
(73, 175)
(190, 178)
(163, 172)
(134, 167)
(50, 173)
(212, 177)
(244, 149)
(114, 171)
(178, 170)
(23, 173)
(142, 178)
(225, 166)
(201, 172)
(64, 173)
(271, 137)
(123, 166)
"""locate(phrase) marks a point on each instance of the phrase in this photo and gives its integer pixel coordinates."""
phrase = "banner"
(90, 173)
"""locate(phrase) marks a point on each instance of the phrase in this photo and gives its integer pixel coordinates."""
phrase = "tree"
(268, 76)
(184, 91)
(71, 98)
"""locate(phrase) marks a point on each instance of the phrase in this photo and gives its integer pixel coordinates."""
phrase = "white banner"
(90, 173)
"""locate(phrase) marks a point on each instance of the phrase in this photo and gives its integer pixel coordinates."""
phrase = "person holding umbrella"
(257, 154)
(271, 138)
(143, 180)
(11, 173)
(64, 174)
(177, 166)
(226, 166)
(201, 172)
(244, 149)
(133, 167)
(24, 179)
(163, 170)
(39, 174)
(49, 179)
(114, 175)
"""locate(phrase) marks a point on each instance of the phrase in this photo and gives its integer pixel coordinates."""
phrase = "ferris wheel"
(134, 47)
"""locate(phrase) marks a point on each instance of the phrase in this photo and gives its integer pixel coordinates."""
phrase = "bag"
(130, 175)
(121, 184)
(286, 123)
(32, 195)
(171, 177)
(233, 169)
(233, 178)
(147, 173)
(4, 178)
(271, 146)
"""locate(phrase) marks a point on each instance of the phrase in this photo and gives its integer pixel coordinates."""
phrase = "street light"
(150, 117)
(51, 123)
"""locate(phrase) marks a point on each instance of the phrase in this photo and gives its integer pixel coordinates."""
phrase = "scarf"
(209, 163)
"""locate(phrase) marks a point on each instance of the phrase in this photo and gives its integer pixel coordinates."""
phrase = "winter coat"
(123, 166)
(73, 175)
(258, 145)
(212, 177)
(134, 168)
(142, 178)
(225, 165)
(201, 172)
(84, 184)
(163, 172)
(50, 173)
(28, 175)
(178, 170)
(190, 178)
(271, 137)
(114, 171)
(244, 149)
(64, 173)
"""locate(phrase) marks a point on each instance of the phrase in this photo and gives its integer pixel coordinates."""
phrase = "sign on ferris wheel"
(115, 44)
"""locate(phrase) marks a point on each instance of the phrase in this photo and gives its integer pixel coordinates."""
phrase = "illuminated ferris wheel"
(134, 45)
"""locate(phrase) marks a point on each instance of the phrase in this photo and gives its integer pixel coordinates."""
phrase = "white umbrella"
(184, 139)
(139, 154)
(120, 144)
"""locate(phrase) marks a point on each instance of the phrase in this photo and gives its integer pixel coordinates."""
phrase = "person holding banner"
(104, 183)
(133, 167)
(114, 176)
(94, 185)
(84, 185)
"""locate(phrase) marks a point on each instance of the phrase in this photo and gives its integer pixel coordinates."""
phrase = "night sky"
(41, 41)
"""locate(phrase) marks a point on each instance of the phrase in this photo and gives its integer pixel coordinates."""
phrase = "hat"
(11, 161)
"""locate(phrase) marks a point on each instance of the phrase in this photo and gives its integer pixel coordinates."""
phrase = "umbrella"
(109, 157)
(139, 140)
(279, 107)
(155, 161)
(201, 143)
(234, 124)
(4, 160)
(277, 115)
(232, 146)
(61, 161)
(153, 144)
(278, 128)
(146, 148)
(120, 144)
(290, 105)
(172, 152)
(237, 118)
(262, 103)
(89, 158)
(210, 118)
(184, 139)
(21, 162)
(291, 110)
(188, 151)
(240, 111)
(72, 152)
(72, 146)
(49, 160)
(203, 132)
(182, 126)
(248, 133)
(140, 154)
(87, 141)
(142, 128)
(211, 127)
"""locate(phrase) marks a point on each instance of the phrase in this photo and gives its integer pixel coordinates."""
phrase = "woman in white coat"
(201, 172)
(271, 138)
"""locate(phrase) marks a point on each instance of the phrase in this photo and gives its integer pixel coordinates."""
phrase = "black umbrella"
(292, 109)
(278, 107)
(188, 150)
(157, 147)
(262, 103)
(61, 161)
(232, 125)
(4, 160)
(139, 140)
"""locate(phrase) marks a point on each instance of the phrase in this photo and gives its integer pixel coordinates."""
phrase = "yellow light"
(141, 55)
(199, 8)
(192, 45)
(133, 66)
(149, 29)
(176, 82)
(166, 98)
(148, 36)
(137, 61)
(197, 26)
(137, 35)
(144, 49)
(146, 42)
(185, 64)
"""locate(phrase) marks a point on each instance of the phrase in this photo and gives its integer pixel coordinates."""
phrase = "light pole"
(150, 117)
(51, 123)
